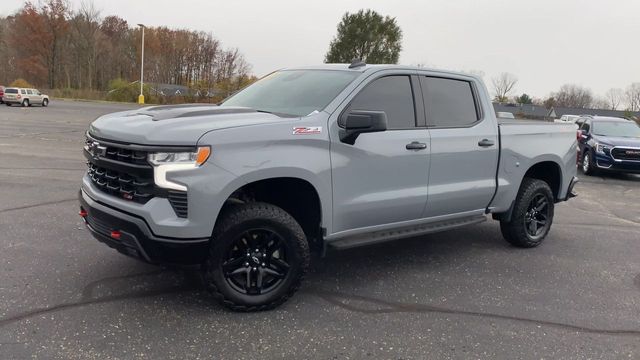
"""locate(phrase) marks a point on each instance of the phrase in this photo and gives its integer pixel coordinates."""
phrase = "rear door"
(380, 180)
(464, 146)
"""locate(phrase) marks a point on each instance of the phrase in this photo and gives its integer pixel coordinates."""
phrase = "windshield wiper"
(275, 113)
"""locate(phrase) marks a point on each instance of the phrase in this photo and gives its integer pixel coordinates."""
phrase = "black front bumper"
(131, 236)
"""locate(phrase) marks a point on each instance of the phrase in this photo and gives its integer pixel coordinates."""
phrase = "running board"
(404, 232)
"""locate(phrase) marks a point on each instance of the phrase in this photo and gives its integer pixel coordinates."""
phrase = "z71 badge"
(307, 130)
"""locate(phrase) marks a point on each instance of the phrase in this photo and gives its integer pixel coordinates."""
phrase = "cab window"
(391, 94)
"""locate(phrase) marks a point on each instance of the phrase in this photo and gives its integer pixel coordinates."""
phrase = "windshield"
(293, 92)
(621, 129)
(11, 91)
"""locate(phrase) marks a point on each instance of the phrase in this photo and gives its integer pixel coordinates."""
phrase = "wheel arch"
(295, 192)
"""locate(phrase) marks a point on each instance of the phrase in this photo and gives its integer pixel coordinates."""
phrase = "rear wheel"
(258, 257)
(8, 104)
(45, 102)
(25, 102)
(532, 215)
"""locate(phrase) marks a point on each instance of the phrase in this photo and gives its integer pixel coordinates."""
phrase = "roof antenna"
(356, 63)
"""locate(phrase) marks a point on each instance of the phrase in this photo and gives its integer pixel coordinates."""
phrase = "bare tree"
(614, 98)
(600, 102)
(573, 96)
(632, 97)
(503, 84)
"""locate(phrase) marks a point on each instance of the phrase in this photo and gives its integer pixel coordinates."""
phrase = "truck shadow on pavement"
(344, 266)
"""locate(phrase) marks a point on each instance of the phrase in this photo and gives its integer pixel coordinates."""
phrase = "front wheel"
(45, 102)
(532, 215)
(258, 257)
(587, 163)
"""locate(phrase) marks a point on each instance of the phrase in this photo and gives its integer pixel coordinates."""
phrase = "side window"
(391, 94)
(23, 92)
(29, 92)
(449, 102)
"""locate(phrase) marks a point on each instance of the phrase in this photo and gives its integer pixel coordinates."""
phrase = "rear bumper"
(130, 235)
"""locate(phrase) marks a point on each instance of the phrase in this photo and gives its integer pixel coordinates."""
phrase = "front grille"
(626, 154)
(126, 156)
(125, 173)
(121, 184)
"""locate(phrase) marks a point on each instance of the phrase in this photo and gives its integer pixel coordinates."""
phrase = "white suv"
(24, 97)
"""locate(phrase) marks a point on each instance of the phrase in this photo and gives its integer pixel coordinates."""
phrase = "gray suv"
(307, 159)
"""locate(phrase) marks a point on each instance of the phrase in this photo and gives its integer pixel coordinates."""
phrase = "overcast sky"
(545, 43)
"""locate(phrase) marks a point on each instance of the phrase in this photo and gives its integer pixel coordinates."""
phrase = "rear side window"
(11, 91)
(449, 103)
(29, 92)
(22, 91)
(391, 94)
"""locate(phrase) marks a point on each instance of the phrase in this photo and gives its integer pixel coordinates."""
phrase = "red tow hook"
(83, 213)
(115, 234)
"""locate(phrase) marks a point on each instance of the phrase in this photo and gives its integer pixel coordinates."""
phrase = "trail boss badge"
(307, 130)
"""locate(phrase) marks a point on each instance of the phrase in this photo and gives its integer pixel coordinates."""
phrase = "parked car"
(307, 159)
(24, 97)
(569, 118)
(609, 144)
(505, 115)
(1, 94)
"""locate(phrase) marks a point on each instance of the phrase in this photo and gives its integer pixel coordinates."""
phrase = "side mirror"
(360, 121)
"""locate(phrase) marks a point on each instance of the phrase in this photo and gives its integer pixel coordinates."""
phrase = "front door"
(380, 180)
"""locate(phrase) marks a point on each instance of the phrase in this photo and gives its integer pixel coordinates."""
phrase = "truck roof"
(375, 67)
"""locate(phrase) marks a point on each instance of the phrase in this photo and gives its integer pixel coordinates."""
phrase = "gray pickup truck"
(305, 159)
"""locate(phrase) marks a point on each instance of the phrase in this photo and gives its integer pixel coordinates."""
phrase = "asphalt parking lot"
(461, 294)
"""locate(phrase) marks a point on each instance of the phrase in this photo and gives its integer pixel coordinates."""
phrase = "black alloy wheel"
(256, 263)
(536, 219)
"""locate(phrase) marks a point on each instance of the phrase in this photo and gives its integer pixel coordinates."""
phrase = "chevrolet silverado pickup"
(307, 159)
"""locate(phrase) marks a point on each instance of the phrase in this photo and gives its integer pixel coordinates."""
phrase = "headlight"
(600, 148)
(196, 158)
(164, 162)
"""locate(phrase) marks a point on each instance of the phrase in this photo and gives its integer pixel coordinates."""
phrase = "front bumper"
(130, 235)
(606, 163)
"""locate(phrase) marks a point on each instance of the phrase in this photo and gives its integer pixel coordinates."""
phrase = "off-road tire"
(236, 221)
(514, 230)
(26, 103)
(45, 102)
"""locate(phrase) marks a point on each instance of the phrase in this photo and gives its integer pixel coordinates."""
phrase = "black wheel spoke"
(280, 264)
(260, 256)
(238, 271)
(274, 273)
(233, 264)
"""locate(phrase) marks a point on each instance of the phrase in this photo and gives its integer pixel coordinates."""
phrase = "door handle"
(416, 146)
(486, 143)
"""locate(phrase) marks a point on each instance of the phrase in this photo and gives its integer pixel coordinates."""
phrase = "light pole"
(141, 96)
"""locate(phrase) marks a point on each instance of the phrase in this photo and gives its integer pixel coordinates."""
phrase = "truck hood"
(175, 124)
(617, 141)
